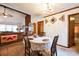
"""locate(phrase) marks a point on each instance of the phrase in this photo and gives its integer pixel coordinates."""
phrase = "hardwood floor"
(17, 49)
(14, 49)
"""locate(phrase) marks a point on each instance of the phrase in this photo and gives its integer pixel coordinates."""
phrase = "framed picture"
(62, 18)
(53, 20)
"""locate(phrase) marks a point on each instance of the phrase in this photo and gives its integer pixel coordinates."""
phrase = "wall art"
(53, 20)
(62, 18)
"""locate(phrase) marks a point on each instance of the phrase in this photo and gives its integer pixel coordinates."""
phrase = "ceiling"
(38, 9)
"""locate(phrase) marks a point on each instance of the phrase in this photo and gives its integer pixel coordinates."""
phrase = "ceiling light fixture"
(5, 14)
(48, 8)
(72, 18)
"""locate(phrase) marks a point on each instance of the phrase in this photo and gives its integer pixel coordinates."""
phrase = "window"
(2, 27)
(14, 28)
(10, 28)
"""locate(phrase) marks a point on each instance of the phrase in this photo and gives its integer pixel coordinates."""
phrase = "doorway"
(73, 30)
(40, 27)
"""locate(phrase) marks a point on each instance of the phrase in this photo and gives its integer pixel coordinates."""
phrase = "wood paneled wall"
(27, 21)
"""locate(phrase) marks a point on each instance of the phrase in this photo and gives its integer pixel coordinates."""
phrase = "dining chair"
(27, 45)
(54, 47)
(53, 50)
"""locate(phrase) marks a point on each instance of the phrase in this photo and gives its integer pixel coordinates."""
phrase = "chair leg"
(56, 52)
(51, 54)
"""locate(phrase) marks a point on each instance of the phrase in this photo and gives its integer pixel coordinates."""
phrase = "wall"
(17, 19)
(59, 27)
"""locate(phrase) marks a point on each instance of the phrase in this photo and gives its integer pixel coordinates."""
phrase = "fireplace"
(8, 38)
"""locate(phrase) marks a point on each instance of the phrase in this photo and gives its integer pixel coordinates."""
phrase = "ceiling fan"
(48, 9)
(5, 14)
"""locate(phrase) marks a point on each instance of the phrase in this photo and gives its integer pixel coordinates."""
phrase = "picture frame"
(62, 18)
(53, 20)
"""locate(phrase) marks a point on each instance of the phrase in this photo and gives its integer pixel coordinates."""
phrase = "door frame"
(69, 26)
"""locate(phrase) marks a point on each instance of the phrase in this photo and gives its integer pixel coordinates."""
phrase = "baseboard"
(62, 46)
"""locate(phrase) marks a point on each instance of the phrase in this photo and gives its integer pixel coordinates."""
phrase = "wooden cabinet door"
(34, 28)
(40, 27)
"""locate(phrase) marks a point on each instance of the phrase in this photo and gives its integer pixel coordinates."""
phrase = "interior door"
(71, 33)
(34, 28)
(40, 27)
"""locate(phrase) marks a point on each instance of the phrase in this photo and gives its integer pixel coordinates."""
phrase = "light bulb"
(72, 18)
(5, 16)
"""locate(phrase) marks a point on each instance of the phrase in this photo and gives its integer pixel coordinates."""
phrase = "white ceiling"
(38, 9)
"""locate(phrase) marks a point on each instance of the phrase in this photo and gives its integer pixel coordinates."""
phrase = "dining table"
(40, 43)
